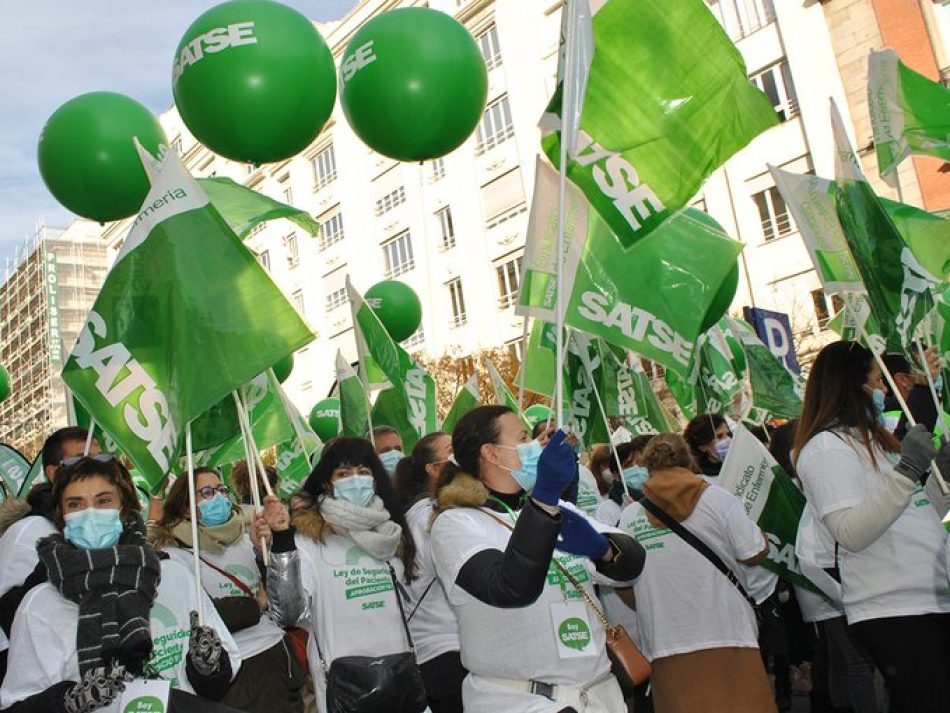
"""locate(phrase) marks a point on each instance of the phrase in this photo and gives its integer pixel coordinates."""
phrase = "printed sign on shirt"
(572, 630)
(141, 696)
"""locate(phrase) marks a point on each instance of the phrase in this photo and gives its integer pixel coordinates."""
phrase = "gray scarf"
(371, 527)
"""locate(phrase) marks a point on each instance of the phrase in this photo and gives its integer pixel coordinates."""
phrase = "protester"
(24, 523)
(432, 620)
(709, 438)
(335, 565)
(493, 550)
(388, 444)
(696, 626)
(891, 545)
(113, 609)
(241, 482)
(270, 679)
(912, 384)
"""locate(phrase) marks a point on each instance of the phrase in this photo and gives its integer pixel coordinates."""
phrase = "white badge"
(141, 696)
(572, 630)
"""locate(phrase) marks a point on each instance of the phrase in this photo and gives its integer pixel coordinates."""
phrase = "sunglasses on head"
(97, 458)
(207, 492)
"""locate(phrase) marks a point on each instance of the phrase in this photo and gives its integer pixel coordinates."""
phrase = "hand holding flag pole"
(253, 459)
(193, 510)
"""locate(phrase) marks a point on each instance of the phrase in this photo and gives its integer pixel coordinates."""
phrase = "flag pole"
(524, 355)
(251, 463)
(193, 510)
(290, 410)
(89, 435)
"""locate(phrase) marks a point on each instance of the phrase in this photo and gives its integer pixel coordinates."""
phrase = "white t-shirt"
(588, 496)
(434, 626)
(239, 561)
(902, 573)
(684, 603)
(18, 557)
(557, 639)
(353, 604)
(43, 641)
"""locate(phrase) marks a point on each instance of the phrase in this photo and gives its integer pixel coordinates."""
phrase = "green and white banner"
(628, 393)
(185, 316)
(583, 384)
(775, 389)
(503, 394)
(465, 401)
(410, 382)
(537, 371)
(660, 112)
(243, 208)
(354, 404)
(910, 114)
(13, 470)
(770, 499)
(34, 475)
(651, 299)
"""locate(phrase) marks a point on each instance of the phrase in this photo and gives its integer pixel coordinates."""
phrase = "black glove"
(556, 468)
(917, 450)
(204, 648)
(96, 689)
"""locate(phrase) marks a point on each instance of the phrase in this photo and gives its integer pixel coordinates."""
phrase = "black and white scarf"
(114, 588)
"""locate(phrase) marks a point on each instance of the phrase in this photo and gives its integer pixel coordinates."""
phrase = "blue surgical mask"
(390, 459)
(635, 476)
(355, 489)
(528, 454)
(938, 384)
(93, 528)
(877, 396)
(215, 511)
(722, 447)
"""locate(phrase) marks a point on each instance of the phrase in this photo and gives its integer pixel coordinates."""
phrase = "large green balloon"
(254, 81)
(325, 418)
(537, 413)
(397, 306)
(283, 368)
(4, 384)
(413, 83)
(724, 296)
(88, 160)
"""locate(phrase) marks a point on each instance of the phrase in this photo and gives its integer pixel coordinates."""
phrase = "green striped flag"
(465, 401)
(354, 405)
(910, 114)
(660, 111)
(185, 316)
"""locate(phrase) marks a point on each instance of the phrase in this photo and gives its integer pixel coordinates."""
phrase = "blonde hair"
(667, 450)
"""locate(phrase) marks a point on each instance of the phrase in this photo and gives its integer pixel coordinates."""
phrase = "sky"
(53, 50)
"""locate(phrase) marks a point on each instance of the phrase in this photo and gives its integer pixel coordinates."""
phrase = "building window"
(297, 299)
(458, 303)
(773, 213)
(391, 200)
(178, 147)
(741, 18)
(826, 306)
(264, 259)
(507, 215)
(293, 250)
(331, 228)
(503, 199)
(496, 126)
(286, 192)
(257, 228)
(516, 349)
(335, 299)
(324, 168)
(397, 255)
(491, 51)
(414, 340)
(776, 82)
(509, 281)
(438, 168)
(448, 230)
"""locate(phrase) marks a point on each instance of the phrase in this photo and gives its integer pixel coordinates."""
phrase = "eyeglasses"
(207, 492)
(97, 458)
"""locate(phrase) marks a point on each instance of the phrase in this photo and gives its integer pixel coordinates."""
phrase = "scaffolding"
(48, 288)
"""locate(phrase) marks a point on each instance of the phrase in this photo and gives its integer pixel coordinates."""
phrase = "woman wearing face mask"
(270, 679)
(866, 489)
(336, 569)
(112, 610)
(528, 637)
(709, 439)
(432, 621)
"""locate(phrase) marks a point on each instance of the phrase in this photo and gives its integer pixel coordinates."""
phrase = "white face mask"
(722, 447)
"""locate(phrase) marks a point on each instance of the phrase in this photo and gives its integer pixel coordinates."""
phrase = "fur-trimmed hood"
(464, 491)
(309, 522)
(12, 511)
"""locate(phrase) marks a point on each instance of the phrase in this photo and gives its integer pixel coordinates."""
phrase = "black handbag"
(376, 684)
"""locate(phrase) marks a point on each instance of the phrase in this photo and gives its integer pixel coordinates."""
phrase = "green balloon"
(724, 296)
(283, 368)
(325, 418)
(413, 83)
(88, 160)
(4, 384)
(538, 413)
(254, 81)
(397, 306)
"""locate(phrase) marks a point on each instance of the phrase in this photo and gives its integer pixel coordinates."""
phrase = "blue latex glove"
(579, 537)
(556, 468)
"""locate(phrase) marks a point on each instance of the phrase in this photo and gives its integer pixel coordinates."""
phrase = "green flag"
(411, 383)
(635, 402)
(770, 499)
(465, 401)
(583, 384)
(926, 234)
(651, 299)
(34, 475)
(775, 389)
(910, 114)
(294, 464)
(661, 112)
(354, 406)
(390, 410)
(13, 470)
(185, 316)
(537, 366)
(503, 394)
(243, 208)
(898, 286)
